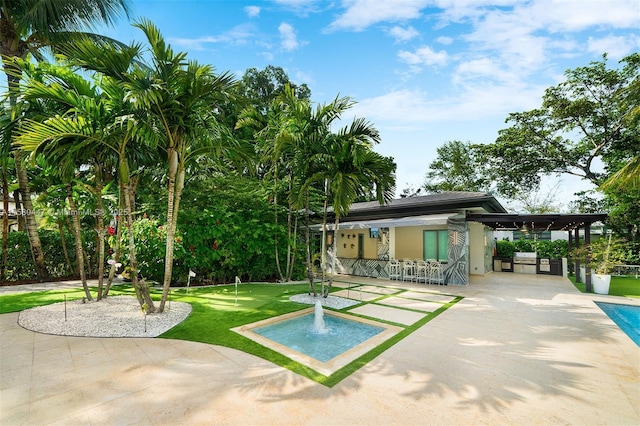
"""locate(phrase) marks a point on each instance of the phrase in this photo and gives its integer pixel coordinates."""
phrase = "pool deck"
(518, 349)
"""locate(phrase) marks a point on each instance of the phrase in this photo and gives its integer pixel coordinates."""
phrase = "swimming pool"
(627, 317)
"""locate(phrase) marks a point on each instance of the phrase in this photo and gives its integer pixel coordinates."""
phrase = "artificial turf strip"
(620, 286)
(214, 313)
(20, 301)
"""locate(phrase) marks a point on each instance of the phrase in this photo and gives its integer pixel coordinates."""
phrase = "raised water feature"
(322, 340)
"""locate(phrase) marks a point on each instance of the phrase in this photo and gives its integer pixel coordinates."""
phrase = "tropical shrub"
(505, 248)
(20, 266)
(546, 249)
(552, 249)
(150, 240)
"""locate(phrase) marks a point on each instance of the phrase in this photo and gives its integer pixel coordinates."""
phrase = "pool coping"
(334, 364)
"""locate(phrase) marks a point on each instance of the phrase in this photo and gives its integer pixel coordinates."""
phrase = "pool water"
(299, 334)
(627, 317)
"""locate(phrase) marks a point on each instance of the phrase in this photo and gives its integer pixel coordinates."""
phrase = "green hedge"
(20, 265)
(548, 249)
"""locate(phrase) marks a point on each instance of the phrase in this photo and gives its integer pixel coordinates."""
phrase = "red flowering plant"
(150, 241)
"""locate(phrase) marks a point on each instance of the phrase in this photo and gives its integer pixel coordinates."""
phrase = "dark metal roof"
(537, 222)
(444, 202)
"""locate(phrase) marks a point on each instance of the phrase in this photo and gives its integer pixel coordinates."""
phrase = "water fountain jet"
(318, 321)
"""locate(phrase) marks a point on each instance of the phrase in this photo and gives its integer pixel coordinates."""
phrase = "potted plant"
(604, 254)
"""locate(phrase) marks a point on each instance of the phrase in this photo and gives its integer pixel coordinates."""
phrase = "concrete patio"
(519, 349)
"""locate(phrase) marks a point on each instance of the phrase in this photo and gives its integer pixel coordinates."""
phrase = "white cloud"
(361, 14)
(484, 69)
(444, 40)
(288, 37)
(615, 46)
(238, 35)
(300, 7)
(252, 11)
(424, 56)
(579, 15)
(403, 34)
(416, 108)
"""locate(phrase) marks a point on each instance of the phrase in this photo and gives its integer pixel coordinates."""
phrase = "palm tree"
(277, 134)
(26, 26)
(350, 168)
(96, 122)
(183, 97)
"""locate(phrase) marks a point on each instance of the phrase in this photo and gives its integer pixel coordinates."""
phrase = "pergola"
(572, 223)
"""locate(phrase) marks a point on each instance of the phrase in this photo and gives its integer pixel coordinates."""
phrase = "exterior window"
(436, 245)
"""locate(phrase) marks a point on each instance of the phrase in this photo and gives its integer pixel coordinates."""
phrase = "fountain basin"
(293, 335)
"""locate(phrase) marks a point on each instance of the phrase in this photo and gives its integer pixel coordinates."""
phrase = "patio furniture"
(422, 271)
(395, 271)
(436, 272)
(408, 270)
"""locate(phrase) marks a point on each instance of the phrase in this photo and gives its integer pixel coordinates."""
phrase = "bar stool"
(408, 270)
(394, 270)
(422, 271)
(436, 273)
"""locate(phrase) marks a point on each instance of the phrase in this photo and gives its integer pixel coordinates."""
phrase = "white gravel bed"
(334, 302)
(118, 316)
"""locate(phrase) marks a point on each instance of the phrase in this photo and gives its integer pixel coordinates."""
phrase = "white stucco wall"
(477, 250)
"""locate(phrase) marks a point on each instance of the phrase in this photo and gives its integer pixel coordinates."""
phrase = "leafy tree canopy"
(580, 121)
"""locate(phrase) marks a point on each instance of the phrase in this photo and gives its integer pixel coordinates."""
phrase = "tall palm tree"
(97, 121)
(27, 26)
(350, 168)
(182, 95)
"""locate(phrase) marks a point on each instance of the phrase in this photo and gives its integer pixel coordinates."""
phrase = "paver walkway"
(519, 349)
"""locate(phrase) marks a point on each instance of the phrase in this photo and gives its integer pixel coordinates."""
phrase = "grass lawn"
(215, 312)
(620, 286)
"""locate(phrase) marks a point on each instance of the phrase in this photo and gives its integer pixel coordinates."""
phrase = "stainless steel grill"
(545, 266)
(524, 263)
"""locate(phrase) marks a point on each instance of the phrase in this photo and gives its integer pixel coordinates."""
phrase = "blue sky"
(423, 71)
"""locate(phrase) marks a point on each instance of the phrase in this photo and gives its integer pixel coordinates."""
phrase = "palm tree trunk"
(310, 275)
(294, 250)
(335, 255)
(323, 249)
(30, 219)
(118, 248)
(78, 236)
(5, 224)
(63, 242)
(140, 287)
(16, 199)
(275, 234)
(99, 228)
(171, 194)
(176, 210)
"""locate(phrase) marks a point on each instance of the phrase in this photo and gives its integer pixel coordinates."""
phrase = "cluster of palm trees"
(113, 109)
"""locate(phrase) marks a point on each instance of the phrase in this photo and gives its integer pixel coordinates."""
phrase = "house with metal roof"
(427, 227)
(452, 228)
